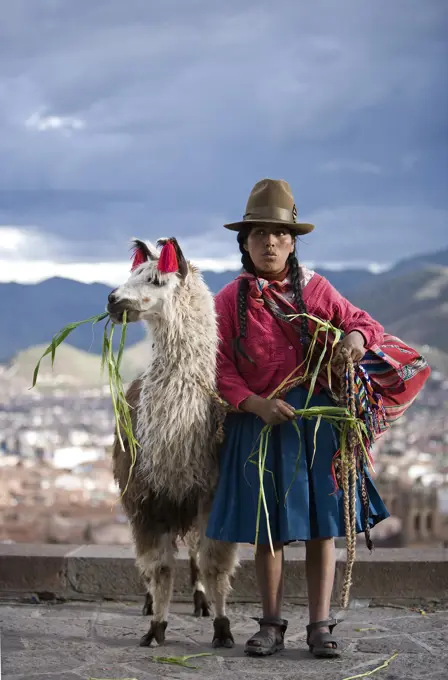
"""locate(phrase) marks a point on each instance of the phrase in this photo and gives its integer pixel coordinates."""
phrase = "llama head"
(155, 275)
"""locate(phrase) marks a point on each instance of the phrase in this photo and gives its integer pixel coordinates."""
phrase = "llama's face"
(148, 289)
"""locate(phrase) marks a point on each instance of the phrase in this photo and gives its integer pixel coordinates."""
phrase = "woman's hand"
(271, 411)
(354, 343)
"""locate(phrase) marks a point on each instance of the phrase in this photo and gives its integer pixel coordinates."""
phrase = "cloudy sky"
(137, 118)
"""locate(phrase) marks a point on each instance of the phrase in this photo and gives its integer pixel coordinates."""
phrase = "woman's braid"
(294, 270)
(242, 318)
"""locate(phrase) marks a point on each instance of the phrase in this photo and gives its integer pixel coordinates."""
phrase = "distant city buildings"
(56, 483)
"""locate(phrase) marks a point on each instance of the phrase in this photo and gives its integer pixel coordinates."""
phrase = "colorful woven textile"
(386, 382)
(398, 373)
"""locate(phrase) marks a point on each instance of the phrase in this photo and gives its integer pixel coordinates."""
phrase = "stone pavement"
(81, 640)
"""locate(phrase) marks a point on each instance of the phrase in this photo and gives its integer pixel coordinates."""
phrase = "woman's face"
(269, 246)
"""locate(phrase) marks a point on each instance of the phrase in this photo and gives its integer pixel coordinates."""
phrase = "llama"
(175, 419)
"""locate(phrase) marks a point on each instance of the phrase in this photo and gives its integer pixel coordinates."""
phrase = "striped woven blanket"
(387, 381)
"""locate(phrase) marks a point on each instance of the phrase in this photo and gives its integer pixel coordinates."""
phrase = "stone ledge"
(91, 572)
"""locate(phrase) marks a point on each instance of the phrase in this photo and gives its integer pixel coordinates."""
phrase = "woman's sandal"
(319, 648)
(267, 641)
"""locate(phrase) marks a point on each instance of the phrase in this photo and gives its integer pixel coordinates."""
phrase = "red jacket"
(274, 345)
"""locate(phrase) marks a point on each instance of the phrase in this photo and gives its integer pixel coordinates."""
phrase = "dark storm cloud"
(120, 118)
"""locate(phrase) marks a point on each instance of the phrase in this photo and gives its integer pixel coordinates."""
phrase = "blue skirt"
(311, 508)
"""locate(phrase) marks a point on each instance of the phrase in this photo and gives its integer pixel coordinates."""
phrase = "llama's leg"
(201, 605)
(156, 565)
(218, 562)
(147, 607)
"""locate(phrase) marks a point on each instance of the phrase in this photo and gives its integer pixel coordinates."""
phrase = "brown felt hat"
(271, 202)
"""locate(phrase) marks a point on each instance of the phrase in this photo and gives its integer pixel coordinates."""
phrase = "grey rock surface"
(82, 640)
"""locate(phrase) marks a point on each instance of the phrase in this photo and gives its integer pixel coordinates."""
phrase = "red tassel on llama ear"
(168, 263)
(139, 258)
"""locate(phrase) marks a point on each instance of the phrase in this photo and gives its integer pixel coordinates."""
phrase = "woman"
(259, 348)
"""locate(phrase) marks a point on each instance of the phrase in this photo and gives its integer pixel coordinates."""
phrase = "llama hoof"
(147, 607)
(156, 632)
(223, 636)
(201, 605)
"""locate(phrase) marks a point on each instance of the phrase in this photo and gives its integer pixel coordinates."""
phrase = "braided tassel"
(349, 469)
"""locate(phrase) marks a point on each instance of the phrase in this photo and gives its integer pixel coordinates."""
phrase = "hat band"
(271, 212)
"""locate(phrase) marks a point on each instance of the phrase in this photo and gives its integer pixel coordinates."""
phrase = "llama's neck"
(176, 427)
(184, 341)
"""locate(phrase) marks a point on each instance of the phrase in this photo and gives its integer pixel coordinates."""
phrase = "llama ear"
(142, 252)
(172, 258)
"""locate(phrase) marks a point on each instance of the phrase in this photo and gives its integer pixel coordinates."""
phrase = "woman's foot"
(321, 641)
(269, 639)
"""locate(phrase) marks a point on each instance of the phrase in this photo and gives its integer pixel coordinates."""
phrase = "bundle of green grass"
(121, 408)
(352, 430)
(354, 436)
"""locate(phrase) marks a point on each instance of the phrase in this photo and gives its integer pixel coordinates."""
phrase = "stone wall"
(108, 572)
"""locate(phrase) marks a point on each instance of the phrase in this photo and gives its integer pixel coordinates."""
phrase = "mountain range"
(410, 300)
